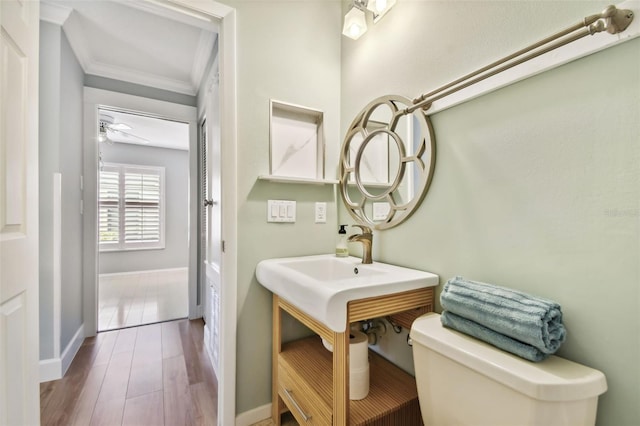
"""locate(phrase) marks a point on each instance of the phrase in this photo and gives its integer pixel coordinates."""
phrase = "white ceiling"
(138, 41)
(142, 42)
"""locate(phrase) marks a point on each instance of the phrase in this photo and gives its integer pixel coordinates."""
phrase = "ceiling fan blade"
(119, 126)
(128, 135)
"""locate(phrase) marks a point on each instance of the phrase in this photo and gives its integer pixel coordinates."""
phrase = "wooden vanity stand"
(313, 383)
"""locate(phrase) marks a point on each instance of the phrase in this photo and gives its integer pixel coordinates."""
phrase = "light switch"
(281, 211)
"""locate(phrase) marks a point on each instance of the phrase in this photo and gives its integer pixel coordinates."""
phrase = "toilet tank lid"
(554, 379)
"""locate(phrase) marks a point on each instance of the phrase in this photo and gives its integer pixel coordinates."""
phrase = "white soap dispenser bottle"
(342, 250)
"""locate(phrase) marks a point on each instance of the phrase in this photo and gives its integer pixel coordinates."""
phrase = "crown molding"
(137, 77)
(54, 13)
(75, 35)
(169, 11)
(204, 51)
(72, 26)
(213, 79)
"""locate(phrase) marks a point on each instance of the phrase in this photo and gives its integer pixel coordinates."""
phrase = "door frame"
(94, 99)
(228, 200)
(226, 16)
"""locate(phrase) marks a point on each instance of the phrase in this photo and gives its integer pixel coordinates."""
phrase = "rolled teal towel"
(498, 340)
(524, 317)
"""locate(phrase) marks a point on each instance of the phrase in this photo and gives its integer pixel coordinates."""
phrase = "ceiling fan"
(109, 131)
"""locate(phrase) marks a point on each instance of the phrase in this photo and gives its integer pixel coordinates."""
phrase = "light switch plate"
(281, 211)
(321, 212)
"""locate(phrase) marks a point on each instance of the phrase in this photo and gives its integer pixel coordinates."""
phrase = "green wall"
(288, 51)
(536, 186)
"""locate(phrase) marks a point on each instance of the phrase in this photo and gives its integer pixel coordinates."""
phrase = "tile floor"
(131, 299)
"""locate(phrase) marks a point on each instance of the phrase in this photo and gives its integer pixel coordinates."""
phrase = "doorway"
(142, 205)
(94, 98)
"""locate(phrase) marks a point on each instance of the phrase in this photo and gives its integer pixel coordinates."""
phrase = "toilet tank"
(464, 381)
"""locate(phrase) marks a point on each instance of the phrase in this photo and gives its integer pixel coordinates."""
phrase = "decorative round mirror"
(386, 162)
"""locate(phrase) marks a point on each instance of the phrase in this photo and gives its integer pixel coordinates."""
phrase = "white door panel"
(19, 381)
(13, 346)
(213, 237)
(214, 240)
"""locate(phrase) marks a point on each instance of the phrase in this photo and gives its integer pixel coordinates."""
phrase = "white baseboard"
(72, 349)
(50, 369)
(116, 274)
(199, 312)
(254, 416)
(55, 368)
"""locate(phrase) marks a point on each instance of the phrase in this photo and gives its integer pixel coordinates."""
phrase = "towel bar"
(611, 20)
(415, 167)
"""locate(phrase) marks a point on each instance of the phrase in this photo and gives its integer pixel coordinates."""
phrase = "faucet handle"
(365, 229)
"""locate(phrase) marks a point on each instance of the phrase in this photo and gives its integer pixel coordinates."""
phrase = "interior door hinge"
(223, 246)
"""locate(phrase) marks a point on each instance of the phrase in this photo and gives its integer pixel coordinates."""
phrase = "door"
(19, 381)
(213, 247)
(203, 219)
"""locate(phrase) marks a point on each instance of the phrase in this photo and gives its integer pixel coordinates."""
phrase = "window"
(131, 207)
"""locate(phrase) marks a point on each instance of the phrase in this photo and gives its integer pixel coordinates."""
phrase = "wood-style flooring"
(143, 297)
(285, 420)
(156, 374)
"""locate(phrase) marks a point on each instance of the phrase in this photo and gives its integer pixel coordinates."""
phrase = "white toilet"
(463, 381)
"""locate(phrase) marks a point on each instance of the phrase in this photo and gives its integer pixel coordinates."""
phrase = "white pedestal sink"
(322, 285)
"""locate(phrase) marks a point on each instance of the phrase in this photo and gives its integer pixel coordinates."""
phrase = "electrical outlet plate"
(321, 212)
(380, 211)
(281, 211)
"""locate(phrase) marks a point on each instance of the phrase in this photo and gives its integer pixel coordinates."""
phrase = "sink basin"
(322, 285)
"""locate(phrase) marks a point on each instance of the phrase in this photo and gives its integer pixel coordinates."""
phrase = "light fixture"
(355, 21)
(107, 124)
(379, 8)
(102, 132)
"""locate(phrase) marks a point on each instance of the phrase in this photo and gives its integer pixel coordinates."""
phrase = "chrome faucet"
(366, 238)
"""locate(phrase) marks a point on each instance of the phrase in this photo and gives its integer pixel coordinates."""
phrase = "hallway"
(157, 374)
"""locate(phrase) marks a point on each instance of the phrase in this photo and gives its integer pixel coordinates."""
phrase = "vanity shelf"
(392, 399)
(312, 382)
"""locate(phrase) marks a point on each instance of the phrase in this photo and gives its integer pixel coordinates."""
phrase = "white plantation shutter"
(109, 206)
(139, 206)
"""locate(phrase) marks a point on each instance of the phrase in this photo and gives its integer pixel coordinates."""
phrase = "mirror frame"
(398, 211)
